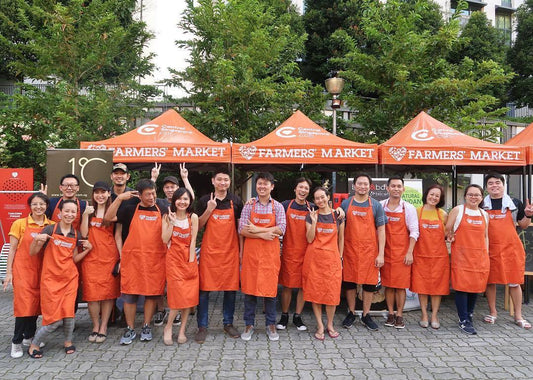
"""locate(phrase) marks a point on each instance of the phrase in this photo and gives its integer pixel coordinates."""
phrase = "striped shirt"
(264, 209)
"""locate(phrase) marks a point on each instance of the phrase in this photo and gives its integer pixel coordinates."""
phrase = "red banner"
(13, 204)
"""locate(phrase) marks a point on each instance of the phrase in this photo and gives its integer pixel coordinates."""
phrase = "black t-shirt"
(497, 205)
(326, 218)
(114, 196)
(297, 206)
(51, 228)
(223, 204)
(127, 210)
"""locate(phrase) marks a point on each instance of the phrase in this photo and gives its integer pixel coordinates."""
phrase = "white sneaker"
(247, 333)
(16, 350)
(272, 333)
(27, 343)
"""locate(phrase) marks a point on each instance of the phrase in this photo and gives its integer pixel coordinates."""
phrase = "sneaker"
(27, 343)
(391, 320)
(177, 320)
(16, 350)
(272, 333)
(369, 323)
(399, 323)
(159, 318)
(247, 333)
(349, 320)
(467, 327)
(146, 333)
(283, 321)
(128, 337)
(231, 331)
(297, 321)
(201, 334)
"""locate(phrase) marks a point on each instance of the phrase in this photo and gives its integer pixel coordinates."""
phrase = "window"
(503, 24)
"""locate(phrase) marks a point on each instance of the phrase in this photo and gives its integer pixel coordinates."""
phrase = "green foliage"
(403, 68)
(243, 74)
(520, 55)
(90, 54)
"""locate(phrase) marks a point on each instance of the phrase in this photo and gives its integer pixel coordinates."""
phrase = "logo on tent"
(247, 151)
(286, 132)
(397, 153)
(422, 135)
(147, 129)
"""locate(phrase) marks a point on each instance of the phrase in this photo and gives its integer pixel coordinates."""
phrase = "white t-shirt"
(463, 210)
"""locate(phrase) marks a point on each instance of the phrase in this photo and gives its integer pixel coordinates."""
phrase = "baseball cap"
(122, 167)
(101, 185)
(172, 179)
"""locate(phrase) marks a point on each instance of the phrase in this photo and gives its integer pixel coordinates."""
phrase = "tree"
(402, 68)
(520, 55)
(90, 55)
(243, 75)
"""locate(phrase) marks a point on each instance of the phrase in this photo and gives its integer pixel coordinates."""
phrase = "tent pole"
(376, 170)
(524, 179)
(529, 182)
(454, 186)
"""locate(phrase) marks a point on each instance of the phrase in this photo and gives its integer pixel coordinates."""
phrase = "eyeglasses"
(474, 195)
(69, 185)
(38, 204)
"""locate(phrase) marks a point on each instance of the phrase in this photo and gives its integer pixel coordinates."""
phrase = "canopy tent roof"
(168, 138)
(425, 141)
(299, 140)
(525, 139)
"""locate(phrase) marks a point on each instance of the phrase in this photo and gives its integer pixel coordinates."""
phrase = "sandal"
(490, 319)
(319, 336)
(70, 349)
(93, 336)
(101, 338)
(523, 323)
(36, 354)
(333, 334)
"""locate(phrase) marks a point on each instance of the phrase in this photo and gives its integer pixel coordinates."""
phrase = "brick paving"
(500, 351)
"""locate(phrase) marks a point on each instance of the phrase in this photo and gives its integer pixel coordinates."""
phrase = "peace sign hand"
(155, 171)
(528, 210)
(211, 203)
(171, 215)
(184, 173)
(313, 214)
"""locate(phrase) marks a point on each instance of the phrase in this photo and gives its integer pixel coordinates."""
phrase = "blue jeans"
(250, 303)
(228, 308)
(465, 303)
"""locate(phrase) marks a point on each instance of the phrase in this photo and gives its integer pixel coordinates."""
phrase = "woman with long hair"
(467, 230)
(180, 227)
(63, 248)
(430, 272)
(24, 272)
(100, 286)
(322, 267)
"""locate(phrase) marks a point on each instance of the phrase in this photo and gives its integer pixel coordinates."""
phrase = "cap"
(102, 185)
(172, 179)
(122, 167)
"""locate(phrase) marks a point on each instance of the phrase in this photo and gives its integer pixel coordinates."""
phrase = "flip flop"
(101, 338)
(333, 334)
(490, 319)
(36, 354)
(319, 336)
(70, 349)
(523, 323)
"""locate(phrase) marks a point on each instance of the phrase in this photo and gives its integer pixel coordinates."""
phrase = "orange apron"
(98, 283)
(360, 245)
(394, 273)
(142, 267)
(293, 250)
(219, 254)
(26, 276)
(322, 267)
(261, 259)
(76, 223)
(470, 260)
(59, 278)
(182, 275)
(430, 272)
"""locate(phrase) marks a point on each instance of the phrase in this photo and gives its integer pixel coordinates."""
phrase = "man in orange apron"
(69, 185)
(507, 255)
(219, 212)
(293, 253)
(402, 233)
(262, 223)
(142, 268)
(364, 244)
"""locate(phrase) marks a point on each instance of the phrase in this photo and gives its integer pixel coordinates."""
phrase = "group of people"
(128, 243)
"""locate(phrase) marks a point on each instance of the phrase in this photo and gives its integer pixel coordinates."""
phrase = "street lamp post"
(334, 86)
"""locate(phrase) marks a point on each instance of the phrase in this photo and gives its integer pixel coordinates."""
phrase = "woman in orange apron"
(100, 287)
(322, 267)
(467, 230)
(24, 272)
(430, 274)
(59, 276)
(293, 253)
(180, 228)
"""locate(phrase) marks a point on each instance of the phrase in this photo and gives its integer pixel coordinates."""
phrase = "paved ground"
(499, 351)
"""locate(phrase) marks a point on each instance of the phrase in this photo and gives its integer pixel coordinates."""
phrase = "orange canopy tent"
(168, 139)
(300, 141)
(525, 139)
(428, 144)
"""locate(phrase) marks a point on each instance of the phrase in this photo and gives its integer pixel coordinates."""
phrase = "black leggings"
(24, 328)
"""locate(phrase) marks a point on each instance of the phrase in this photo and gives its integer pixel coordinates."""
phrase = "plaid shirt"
(260, 208)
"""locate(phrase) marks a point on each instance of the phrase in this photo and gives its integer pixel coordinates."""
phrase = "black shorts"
(352, 285)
